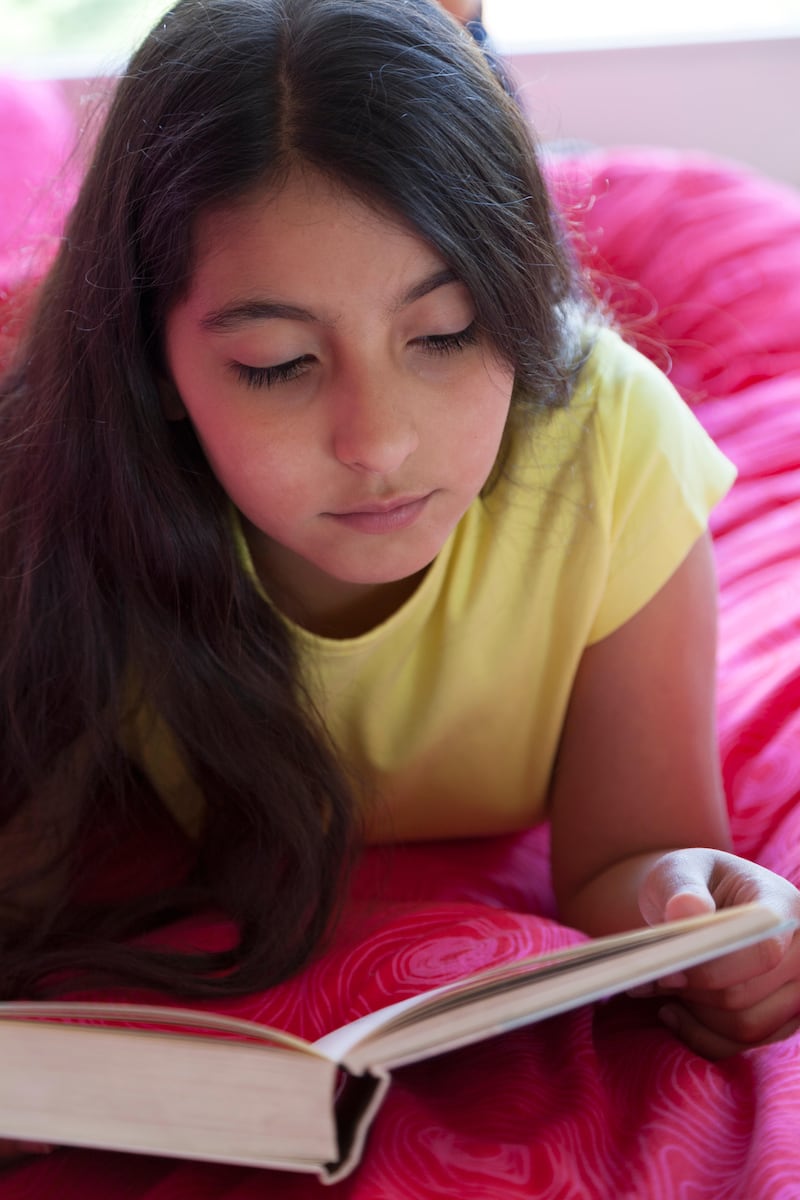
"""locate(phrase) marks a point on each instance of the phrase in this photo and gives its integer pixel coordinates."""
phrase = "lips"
(383, 506)
(387, 516)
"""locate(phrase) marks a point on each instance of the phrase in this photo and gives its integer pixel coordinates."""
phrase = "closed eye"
(433, 344)
(267, 377)
(449, 343)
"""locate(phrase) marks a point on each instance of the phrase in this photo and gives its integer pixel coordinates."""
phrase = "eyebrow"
(244, 312)
(425, 287)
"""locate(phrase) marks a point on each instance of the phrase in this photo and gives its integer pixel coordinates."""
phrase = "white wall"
(740, 99)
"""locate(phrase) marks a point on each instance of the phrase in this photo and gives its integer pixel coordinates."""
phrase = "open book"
(172, 1081)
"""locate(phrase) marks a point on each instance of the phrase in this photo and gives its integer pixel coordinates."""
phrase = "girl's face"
(329, 364)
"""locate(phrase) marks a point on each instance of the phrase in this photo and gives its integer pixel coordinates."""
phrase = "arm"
(637, 771)
(637, 787)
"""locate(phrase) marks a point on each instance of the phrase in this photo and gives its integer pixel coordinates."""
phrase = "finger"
(736, 982)
(698, 1037)
(749, 975)
(677, 887)
(754, 971)
(753, 1026)
(756, 1023)
(711, 1043)
(689, 902)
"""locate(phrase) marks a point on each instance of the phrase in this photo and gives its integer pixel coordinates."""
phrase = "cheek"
(483, 418)
(263, 468)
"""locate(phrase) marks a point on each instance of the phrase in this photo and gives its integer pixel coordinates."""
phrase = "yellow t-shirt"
(449, 712)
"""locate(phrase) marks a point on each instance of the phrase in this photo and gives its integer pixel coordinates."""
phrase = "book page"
(152, 1017)
(212, 1098)
(531, 989)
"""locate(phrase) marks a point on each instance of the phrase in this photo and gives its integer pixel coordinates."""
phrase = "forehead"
(309, 237)
(306, 207)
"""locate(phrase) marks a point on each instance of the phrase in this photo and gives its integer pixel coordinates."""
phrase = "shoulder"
(615, 387)
(627, 396)
(615, 488)
(625, 421)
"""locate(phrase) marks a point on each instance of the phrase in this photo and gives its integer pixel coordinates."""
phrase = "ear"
(171, 403)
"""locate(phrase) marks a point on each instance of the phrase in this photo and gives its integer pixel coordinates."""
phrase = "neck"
(353, 610)
(319, 603)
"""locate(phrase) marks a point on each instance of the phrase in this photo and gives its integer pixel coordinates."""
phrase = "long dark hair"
(119, 579)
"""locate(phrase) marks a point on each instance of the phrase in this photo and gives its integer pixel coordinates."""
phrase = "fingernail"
(642, 991)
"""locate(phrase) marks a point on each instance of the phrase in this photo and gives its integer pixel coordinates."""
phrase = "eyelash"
(268, 377)
(450, 343)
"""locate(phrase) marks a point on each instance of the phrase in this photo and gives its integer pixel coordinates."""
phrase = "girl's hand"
(746, 998)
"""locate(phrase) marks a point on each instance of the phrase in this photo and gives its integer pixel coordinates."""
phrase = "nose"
(374, 427)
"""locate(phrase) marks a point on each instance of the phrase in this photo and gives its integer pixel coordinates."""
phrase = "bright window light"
(527, 24)
(75, 37)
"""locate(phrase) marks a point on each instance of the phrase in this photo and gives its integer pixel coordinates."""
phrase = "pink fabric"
(37, 173)
(38, 182)
(703, 261)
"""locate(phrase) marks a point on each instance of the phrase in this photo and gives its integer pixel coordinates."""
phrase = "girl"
(330, 509)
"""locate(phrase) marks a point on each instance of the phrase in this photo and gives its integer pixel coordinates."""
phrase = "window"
(530, 25)
(73, 37)
(91, 37)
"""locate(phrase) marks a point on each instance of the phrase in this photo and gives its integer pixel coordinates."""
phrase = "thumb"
(677, 887)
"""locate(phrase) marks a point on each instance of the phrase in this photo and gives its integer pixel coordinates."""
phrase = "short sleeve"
(658, 476)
